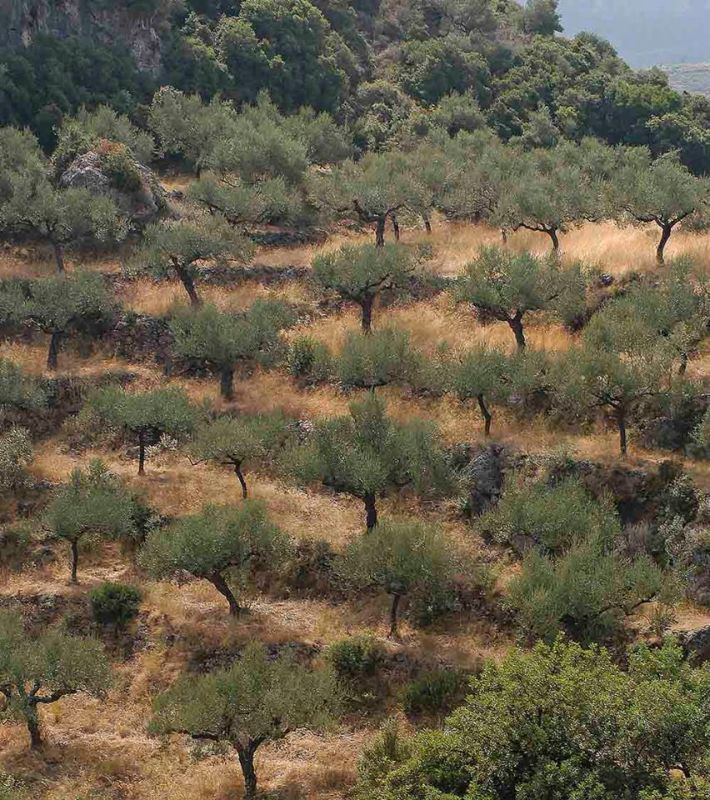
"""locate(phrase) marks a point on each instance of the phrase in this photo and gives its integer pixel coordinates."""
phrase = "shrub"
(120, 167)
(15, 457)
(114, 604)
(434, 692)
(356, 657)
(309, 361)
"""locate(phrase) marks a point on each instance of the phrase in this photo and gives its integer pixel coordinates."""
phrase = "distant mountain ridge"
(693, 78)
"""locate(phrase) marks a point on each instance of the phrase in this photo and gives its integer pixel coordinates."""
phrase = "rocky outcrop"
(141, 205)
(112, 23)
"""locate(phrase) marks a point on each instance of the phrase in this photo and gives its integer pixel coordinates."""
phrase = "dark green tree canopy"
(559, 721)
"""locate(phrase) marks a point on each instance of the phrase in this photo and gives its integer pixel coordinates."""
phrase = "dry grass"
(101, 749)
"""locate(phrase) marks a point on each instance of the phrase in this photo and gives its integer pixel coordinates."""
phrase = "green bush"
(434, 692)
(310, 361)
(119, 166)
(354, 658)
(114, 604)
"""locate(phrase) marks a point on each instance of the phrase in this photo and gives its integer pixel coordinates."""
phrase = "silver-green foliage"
(39, 670)
(258, 699)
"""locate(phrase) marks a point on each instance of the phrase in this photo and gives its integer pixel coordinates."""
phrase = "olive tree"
(221, 544)
(60, 217)
(236, 441)
(619, 363)
(175, 247)
(59, 306)
(380, 359)
(481, 375)
(256, 700)
(550, 192)
(506, 286)
(367, 455)
(661, 192)
(216, 340)
(145, 415)
(359, 274)
(586, 592)
(94, 505)
(402, 559)
(674, 307)
(39, 670)
(376, 189)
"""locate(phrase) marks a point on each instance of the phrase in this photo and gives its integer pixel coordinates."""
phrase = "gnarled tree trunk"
(366, 320)
(394, 608)
(219, 583)
(516, 325)
(53, 353)
(486, 414)
(226, 383)
(246, 762)
(666, 231)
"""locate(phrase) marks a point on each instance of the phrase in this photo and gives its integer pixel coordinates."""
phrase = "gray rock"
(697, 644)
(141, 206)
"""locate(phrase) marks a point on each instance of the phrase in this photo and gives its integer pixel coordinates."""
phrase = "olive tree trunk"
(666, 231)
(226, 383)
(486, 414)
(246, 762)
(370, 511)
(394, 608)
(516, 325)
(53, 353)
(219, 583)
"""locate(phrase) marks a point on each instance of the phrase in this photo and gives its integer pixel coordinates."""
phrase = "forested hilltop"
(381, 67)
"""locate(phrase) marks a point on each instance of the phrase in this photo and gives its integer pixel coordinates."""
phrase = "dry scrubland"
(101, 750)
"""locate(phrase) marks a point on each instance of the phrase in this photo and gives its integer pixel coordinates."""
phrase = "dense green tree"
(662, 192)
(557, 721)
(551, 516)
(53, 77)
(506, 286)
(222, 545)
(40, 670)
(402, 559)
(301, 58)
(367, 455)
(256, 700)
(146, 415)
(542, 17)
(431, 69)
(380, 359)
(94, 505)
(220, 341)
(359, 274)
(176, 247)
(236, 441)
(59, 306)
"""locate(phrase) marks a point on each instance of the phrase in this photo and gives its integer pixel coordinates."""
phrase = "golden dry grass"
(101, 749)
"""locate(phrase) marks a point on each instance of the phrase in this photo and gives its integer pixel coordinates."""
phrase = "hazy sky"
(646, 32)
